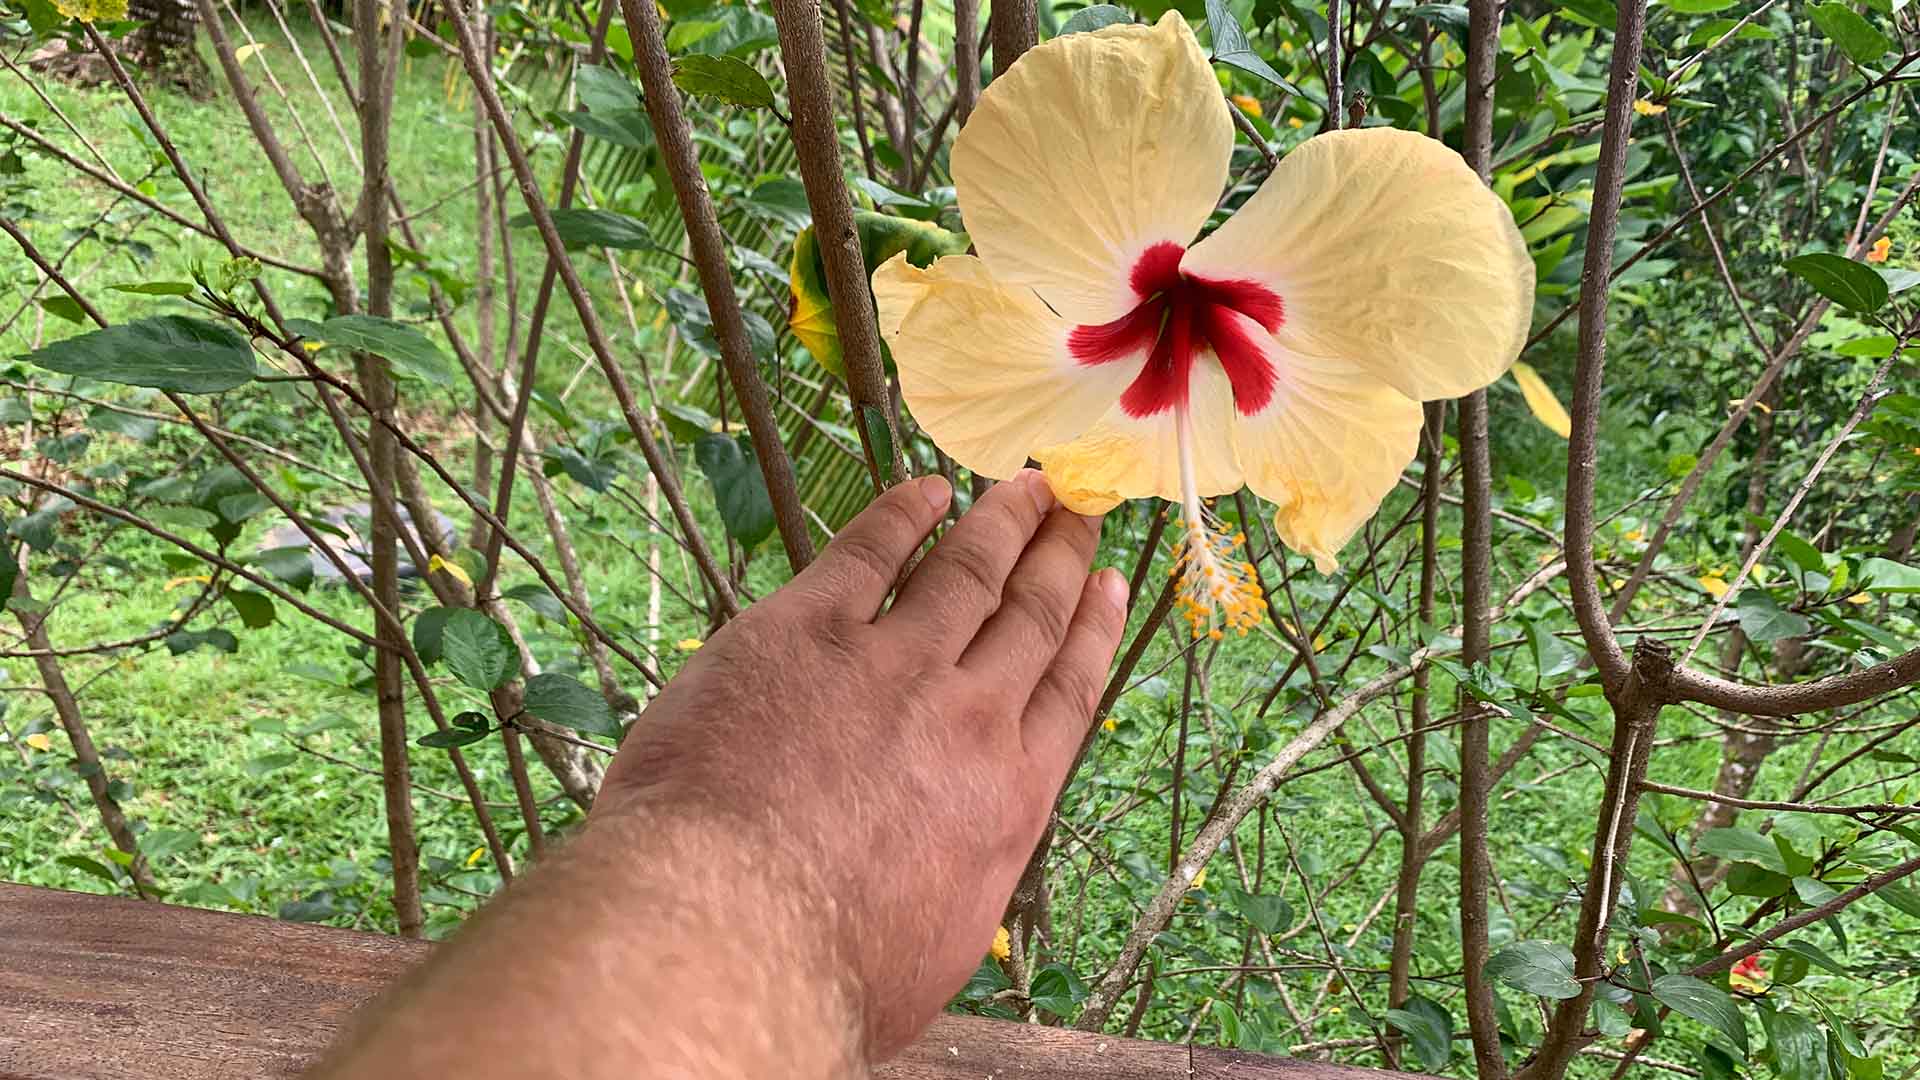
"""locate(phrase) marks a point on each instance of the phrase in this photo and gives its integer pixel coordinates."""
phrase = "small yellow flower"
(1878, 254)
(1633, 535)
(39, 741)
(1648, 108)
(1002, 944)
(1109, 724)
(1295, 122)
(1248, 104)
(688, 644)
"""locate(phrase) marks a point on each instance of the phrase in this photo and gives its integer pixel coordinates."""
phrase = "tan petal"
(984, 369)
(1092, 148)
(1326, 452)
(1390, 255)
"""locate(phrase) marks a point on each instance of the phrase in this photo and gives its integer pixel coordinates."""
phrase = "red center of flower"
(1178, 315)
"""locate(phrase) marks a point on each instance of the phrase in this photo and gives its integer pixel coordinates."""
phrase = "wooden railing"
(103, 987)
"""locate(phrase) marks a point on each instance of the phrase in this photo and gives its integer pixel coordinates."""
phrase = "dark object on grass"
(345, 528)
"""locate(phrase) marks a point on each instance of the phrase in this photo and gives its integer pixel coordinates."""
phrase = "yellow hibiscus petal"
(1092, 148)
(984, 369)
(1328, 449)
(1546, 407)
(1389, 253)
(1002, 943)
(1125, 457)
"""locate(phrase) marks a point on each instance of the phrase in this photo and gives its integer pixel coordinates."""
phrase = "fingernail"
(936, 490)
(1115, 587)
(1041, 491)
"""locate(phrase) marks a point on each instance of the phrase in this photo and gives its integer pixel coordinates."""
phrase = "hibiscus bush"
(1503, 414)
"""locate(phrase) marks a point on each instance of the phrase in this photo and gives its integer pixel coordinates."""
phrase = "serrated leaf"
(1853, 285)
(568, 702)
(169, 352)
(728, 78)
(477, 650)
(1541, 968)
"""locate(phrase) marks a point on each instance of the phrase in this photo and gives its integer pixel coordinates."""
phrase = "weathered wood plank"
(96, 987)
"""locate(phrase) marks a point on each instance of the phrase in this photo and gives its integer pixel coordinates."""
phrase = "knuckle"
(864, 556)
(975, 570)
(1044, 612)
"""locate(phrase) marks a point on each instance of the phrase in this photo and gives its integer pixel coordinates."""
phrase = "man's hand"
(903, 760)
(804, 845)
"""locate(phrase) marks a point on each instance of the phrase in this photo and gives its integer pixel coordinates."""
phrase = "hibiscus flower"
(1100, 333)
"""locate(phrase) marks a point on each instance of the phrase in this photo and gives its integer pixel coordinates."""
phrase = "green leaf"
(539, 599)
(1711, 32)
(1600, 14)
(1542, 968)
(429, 630)
(1057, 989)
(255, 608)
(1268, 914)
(478, 650)
(1451, 18)
(1428, 1028)
(738, 486)
(565, 700)
(1799, 1049)
(1887, 576)
(267, 763)
(156, 288)
(185, 641)
(1852, 285)
(1093, 17)
(292, 564)
(170, 352)
(1764, 620)
(1736, 844)
(728, 78)
(1898, 281)
(64, 307)
(1551, 656)
(9, 570)
(604, 90)
(880, 437)
(1858, 38)
(1231, 47)
(579, 228)
(1877, 347)
(1698, 7)
(1901, 897)
(409, 350)
(90, 866)
(686, 423)
(1806, 950)
(1702, 1001)
(1804, 555)
(450, 738)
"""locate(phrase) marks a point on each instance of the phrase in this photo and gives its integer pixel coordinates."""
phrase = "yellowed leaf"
(688, 644)
(1715, 585)
(438, 565)
(1878, 253)
(246, 52)
(39, 741)
(1002, 944)
(1735, 403)
(1648, 108)
(91, 11)
(1859, 598)
(473, 860)
(1546, 408)
(179, 581)
(1199, 879)
(1248, 104)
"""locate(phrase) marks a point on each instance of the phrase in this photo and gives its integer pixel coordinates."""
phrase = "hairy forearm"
(648, 946)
